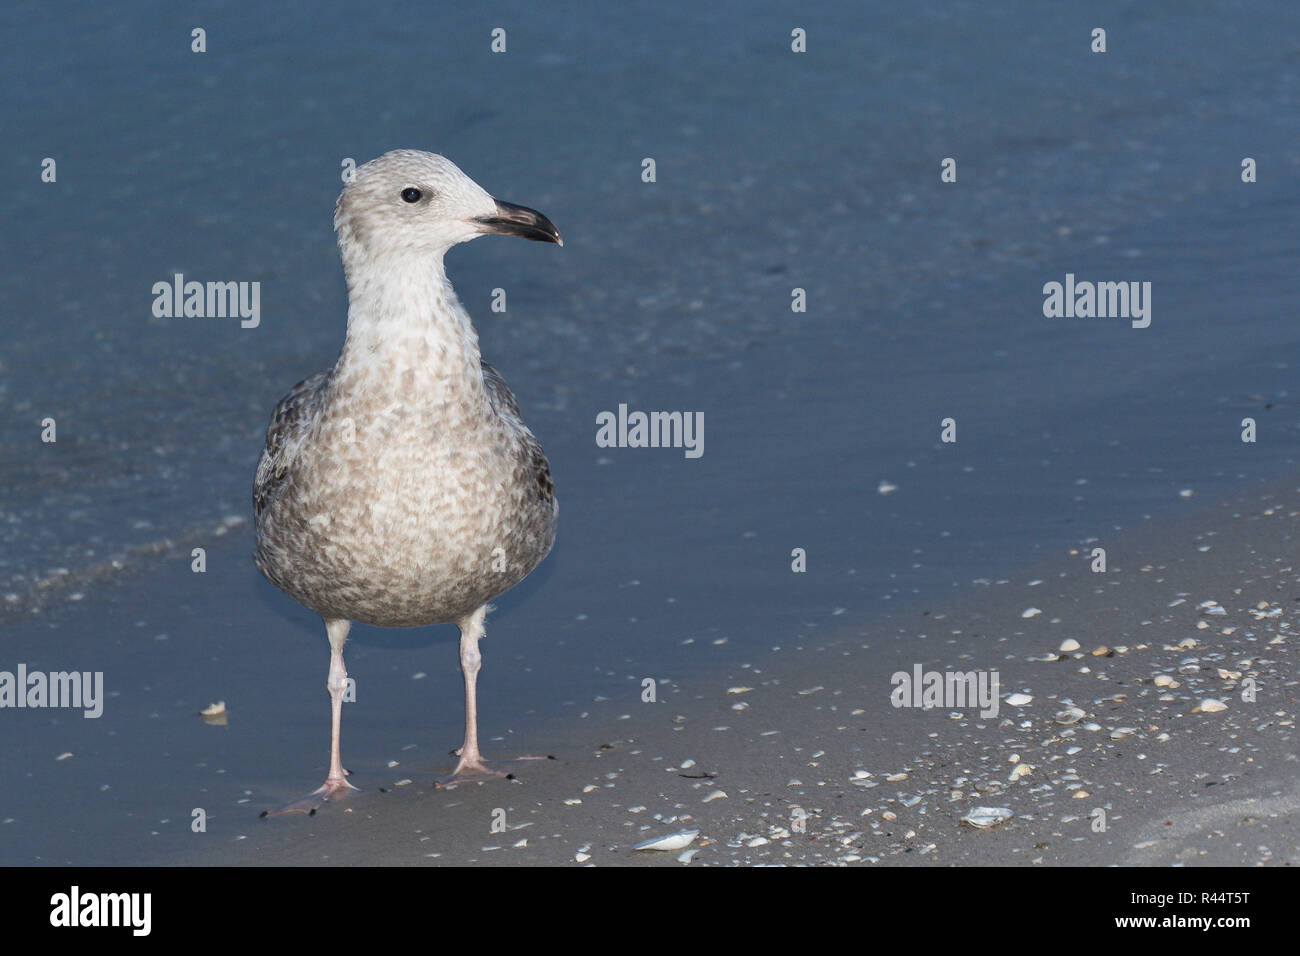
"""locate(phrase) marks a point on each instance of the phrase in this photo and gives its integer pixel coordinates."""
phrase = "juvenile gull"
(401, 487)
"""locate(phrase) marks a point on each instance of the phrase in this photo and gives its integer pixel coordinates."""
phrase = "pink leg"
(337, 683)
(471, 765)
(471, 630)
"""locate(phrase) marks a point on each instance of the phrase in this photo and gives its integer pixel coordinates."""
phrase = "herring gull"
(401, 487)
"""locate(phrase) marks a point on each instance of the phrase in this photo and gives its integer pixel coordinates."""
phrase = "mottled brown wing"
(503, 400)
(291, 414)
(506, 405)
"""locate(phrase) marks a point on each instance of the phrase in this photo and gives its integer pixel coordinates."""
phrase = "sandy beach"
(742, 748)
(880, 785)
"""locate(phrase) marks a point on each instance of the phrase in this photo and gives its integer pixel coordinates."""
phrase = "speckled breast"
(390, 523)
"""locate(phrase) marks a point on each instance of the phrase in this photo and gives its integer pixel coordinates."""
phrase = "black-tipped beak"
(512, 220)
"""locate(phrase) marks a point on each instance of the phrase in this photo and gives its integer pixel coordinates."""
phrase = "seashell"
(1068, 645)
(1211, 706)
(983, 817)
(672, 841)
(1071, 715)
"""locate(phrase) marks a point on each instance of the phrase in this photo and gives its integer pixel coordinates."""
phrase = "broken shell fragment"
(984, 817)
(1071, 715)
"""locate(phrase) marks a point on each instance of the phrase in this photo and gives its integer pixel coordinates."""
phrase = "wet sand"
(814, 734)
(1177, 786)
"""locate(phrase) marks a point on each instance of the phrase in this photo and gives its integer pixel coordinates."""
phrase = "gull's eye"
(411, 194)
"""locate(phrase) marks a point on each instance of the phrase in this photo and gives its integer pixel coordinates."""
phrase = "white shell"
(1212, 706)
(983, 817)
(1071, 715)
(1068, 645)
(672, 841)
(1019, 700)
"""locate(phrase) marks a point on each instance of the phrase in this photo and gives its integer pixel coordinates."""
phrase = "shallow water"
(774, 171)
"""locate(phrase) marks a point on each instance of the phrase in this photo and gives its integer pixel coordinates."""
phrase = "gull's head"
(412, 202)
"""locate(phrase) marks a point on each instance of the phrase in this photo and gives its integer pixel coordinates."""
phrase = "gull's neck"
(408, 335)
